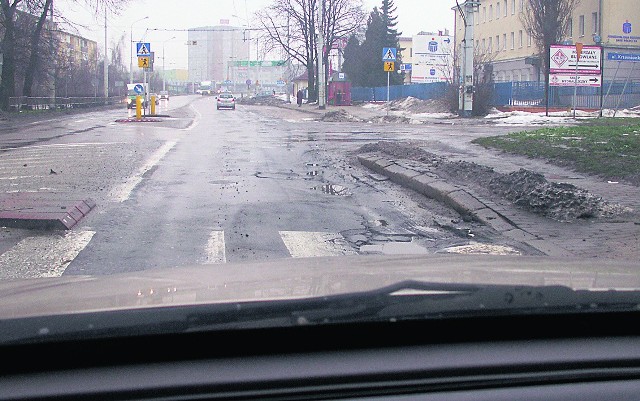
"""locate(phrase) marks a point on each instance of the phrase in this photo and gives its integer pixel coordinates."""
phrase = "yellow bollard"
(138, 107)
(153, 105)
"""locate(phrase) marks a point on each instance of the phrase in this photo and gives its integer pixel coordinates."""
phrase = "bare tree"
(547, 21)
(12, 52)
(290, 25)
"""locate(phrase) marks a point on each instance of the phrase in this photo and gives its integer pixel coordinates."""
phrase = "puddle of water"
(331, 189)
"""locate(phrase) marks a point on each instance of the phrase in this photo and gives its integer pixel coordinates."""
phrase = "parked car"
(164, 95)
(226, 100)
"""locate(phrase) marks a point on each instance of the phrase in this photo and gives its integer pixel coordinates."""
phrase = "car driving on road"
(226, 100)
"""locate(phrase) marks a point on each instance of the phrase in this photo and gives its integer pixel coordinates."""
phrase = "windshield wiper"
(420, 300)
(406, 300)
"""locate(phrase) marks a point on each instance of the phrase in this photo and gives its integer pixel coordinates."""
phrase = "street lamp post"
(131, 49)
(164, 71)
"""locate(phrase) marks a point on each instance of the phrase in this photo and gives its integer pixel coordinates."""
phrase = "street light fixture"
(131, 49)
(164, 71)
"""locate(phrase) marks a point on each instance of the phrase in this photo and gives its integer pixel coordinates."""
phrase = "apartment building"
(501, 39)
(213, 50)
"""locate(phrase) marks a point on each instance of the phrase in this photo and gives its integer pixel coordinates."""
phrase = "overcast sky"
(171, 18)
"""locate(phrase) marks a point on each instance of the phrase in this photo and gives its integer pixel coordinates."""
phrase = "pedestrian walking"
(299, 97)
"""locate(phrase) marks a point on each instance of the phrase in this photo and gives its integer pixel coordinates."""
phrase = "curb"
(458, 199)
(34, 212)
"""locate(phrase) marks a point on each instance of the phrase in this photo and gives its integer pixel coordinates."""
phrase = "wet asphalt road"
(211, 187)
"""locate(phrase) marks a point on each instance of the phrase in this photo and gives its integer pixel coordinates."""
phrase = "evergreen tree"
(392, 36)
(363, 61)
(352, 64)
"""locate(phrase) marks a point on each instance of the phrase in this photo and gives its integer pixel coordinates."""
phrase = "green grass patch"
(603, 147)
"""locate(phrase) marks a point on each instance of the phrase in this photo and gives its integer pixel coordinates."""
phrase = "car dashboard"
(573, 357)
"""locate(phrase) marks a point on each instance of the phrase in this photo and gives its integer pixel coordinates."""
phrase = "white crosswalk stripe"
(43, 256)
(49, 255)
(307, 244)
(216, 248)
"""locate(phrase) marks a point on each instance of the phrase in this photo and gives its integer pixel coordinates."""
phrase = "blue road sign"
(143, 49)
(389, 54)
(406, 67)
(623, 56)
(138, 89)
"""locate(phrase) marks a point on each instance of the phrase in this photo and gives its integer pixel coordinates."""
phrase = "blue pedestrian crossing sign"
(389, 54)
(143, 49)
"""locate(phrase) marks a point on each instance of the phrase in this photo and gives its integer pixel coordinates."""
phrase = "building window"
(504, 42)
(484, 14)
(570, 23)
(529, 39)
(513, 40)
(497, 43)
(520, 39)
(521, 5)
(505, 8)
(594, 21)
(490, 12)
(490, 46)
(513, 7)
(498, 10)
(581, 26)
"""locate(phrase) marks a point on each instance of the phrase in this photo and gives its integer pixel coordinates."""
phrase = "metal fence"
(435, 90)
(53, 103)
(613, 94)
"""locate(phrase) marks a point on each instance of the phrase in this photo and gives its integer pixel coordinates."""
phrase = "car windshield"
(312, 149)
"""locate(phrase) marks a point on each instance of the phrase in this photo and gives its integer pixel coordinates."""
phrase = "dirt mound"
(261, 101)
(524, 188)
(391, 119)
(339, 116)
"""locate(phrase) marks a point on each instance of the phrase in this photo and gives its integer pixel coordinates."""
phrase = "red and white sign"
(570, 80)
(565, 59)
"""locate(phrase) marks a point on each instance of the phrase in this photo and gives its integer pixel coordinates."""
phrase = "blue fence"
(435, 90)
(614, 94)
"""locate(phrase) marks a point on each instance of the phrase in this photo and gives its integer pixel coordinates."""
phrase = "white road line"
(63, 145)
(196, 121)
(307, 244)
(216, 248)
(43, 256)
(123, 191)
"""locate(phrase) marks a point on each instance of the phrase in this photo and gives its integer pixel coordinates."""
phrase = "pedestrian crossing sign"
(143, 49)
(144, 62)
(389, 54)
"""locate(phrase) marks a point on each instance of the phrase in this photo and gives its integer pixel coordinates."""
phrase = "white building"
(213, 49)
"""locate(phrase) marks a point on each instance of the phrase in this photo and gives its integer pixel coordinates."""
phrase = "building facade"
(213, 49)
(501, 39)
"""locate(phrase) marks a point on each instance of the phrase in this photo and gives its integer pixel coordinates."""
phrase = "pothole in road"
(477, 248)
(332, 189)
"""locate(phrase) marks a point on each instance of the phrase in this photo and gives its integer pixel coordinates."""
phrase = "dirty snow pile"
(526, 189)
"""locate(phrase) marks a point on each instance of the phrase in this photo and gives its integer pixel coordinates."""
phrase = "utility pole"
(106, 59)
(466, 81)
(321, 77)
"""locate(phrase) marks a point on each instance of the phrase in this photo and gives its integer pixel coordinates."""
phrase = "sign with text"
(564, 59)
(570, 80)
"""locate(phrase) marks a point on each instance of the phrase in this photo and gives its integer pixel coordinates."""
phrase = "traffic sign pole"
(575, 87)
